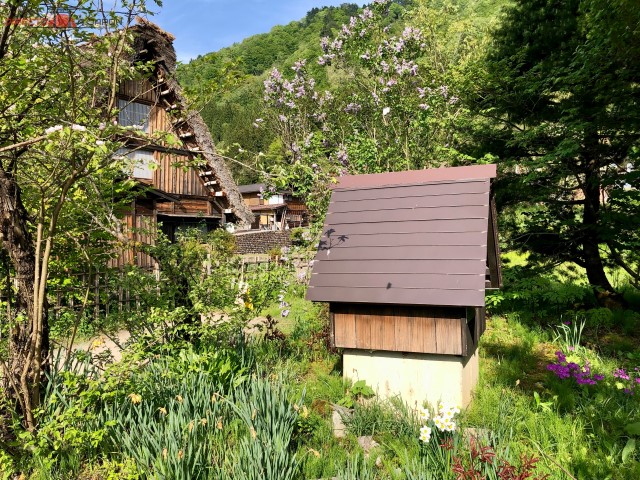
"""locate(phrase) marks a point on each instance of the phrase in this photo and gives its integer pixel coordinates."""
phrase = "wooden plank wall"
(171, 179)
(401, 328)
(140, 229)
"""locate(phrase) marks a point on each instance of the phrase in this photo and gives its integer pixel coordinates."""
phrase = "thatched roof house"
(204, 193)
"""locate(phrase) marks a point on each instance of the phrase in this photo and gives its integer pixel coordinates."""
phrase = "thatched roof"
(151, 43)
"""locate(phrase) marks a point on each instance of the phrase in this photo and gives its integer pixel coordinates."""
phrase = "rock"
(339, 413)
(255, 326)
(214, 318)
(367, 443)
(339, 430)
(476, 433)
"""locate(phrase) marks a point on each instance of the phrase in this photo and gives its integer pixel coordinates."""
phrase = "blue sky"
(203, 26)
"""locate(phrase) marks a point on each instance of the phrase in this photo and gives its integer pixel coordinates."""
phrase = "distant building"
(280, 211)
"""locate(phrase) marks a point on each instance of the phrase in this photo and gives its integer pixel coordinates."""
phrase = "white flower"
(423, 413)
(438, 422)
(78, 128)
(385, 111)
(425, 434)
(448, 410)
(51, 130)
(449, 426)
(99, 143)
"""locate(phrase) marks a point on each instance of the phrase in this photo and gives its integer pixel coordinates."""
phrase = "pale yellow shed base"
(416, 377)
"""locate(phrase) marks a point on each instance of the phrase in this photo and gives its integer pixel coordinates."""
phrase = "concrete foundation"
(416, 377)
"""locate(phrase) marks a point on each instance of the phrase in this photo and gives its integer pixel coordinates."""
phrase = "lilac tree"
(387, 110)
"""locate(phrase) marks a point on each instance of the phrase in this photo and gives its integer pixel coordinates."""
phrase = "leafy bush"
(263, 453)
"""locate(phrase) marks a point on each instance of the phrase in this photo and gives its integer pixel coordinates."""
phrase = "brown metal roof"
(415, 237)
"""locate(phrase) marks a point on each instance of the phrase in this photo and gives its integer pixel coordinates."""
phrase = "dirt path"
(102, 343)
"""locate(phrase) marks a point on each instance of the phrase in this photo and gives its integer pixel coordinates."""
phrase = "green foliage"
(558, 92)
(170, 438)
(270, 418)
(392, 418)
(358, 391)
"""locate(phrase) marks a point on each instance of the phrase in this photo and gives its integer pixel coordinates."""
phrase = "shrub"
(270, 418)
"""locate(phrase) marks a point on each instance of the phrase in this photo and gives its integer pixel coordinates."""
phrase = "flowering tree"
(388, 111)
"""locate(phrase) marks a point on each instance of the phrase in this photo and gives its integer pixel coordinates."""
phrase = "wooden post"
(96, 300)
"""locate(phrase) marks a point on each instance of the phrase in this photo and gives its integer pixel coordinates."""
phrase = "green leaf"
(628, 449)
(633, 428)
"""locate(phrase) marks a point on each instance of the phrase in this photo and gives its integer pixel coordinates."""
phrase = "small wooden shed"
(404, 263)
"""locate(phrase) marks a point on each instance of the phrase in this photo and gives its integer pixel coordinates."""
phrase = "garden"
(194, 397)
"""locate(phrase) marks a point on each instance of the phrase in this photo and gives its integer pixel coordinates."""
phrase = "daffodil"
(425, 434)
(135, 398)
(423, 413)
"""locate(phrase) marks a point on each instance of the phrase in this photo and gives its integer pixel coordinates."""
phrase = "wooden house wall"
(173, 180)
(190, 207)
(138, 91)
(252, 199)
(403, 328)
(140, 228)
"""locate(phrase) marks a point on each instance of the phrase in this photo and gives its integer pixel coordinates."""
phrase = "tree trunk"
(591, 238)
(27, 361)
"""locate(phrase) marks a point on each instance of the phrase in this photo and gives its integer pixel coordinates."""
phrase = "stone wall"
(261, 241)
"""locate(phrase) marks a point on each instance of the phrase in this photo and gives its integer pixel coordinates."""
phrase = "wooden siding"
(169, 177)
(414, 329)
(407, 244)
(140, 228)
(137, 91)
(187, 207)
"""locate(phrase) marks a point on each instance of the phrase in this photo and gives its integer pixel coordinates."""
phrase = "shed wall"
(403, 328)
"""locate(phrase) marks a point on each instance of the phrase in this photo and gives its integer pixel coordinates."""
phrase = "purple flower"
(598, 378)
(567, 322)
(366, 14)
(285, 313)
(353, 108)
(561, 357)
(342, 156)
(620, 373)
(324, 43)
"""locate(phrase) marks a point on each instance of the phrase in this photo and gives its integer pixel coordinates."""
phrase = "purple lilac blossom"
(620, 373)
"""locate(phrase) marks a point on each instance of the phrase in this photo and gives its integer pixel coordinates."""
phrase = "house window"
(275, 200)
(142, 163)
(134, 114)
